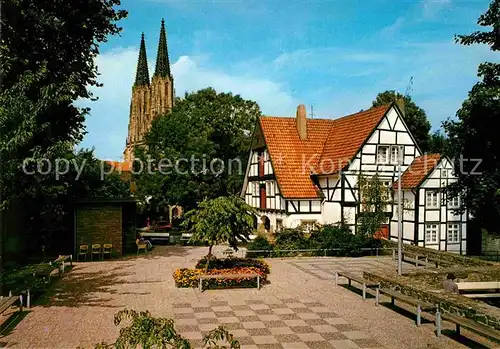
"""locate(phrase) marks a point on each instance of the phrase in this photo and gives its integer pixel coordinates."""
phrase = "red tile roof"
(329, 146)
(346, 137)
(419, 169)
(122, 166)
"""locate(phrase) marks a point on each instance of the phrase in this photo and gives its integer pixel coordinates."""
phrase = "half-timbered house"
(305, 171)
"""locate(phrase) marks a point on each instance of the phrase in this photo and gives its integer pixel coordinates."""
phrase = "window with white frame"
(383, 154)
(431, 233)
(279, 224)
(396, 152)
(455, 202)
(453, 232)
(432, 199)
(308, 225)
(270, 188)
(256, 188)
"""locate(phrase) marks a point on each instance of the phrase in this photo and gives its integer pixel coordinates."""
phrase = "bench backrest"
(484, 285)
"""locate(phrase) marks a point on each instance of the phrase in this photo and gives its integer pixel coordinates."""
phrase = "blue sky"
(332, 55)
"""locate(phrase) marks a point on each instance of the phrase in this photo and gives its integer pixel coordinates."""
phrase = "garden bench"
(366, 283)
(480, 286)
(421, 305)
(185, 237)
(44, 271)
(228, 276)
(438, 262)
(413, 258)
(7, 302)
(63, 259)
(472, 325)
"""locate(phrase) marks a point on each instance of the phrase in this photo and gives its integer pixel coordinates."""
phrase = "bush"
(340, 237)
(233, 262)
(291, 239)
(259, 243)
(186, 278)
(21, 278)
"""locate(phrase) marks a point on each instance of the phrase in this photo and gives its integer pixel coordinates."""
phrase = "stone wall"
(418, 286)
(442, 255)
(100, 224)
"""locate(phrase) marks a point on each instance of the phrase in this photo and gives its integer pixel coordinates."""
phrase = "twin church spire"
(150, 98)
(162, 68)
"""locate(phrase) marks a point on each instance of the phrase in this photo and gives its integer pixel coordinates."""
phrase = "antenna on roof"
(311, 114)
(409, 88)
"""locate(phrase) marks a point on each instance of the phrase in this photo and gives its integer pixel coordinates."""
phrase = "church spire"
(142, 75)
(162, 62)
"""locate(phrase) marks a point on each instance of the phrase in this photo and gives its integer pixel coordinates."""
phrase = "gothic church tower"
(149, 99)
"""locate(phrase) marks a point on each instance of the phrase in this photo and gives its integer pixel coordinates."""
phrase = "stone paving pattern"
(299, 308)
(285, 323)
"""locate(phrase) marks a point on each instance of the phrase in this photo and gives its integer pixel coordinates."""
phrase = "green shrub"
(21, 278)
(258, 244)
(290, 239)
(340, 237)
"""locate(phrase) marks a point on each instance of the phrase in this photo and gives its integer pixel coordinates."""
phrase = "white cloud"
(108, 122)
(431, 8)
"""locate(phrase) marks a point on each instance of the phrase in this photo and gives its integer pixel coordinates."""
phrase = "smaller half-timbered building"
(305, 171)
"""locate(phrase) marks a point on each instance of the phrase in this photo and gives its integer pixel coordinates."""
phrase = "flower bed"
(186, 277)
(233, 262)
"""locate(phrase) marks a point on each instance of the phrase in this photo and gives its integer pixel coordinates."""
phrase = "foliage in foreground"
(147, 332)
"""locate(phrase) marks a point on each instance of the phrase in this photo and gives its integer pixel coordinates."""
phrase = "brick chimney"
(302, 121)
(401, 105)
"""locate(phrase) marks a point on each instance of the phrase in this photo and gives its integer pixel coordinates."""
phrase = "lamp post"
(400, 217)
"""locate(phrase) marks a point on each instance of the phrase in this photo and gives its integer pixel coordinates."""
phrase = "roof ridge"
(330, 119)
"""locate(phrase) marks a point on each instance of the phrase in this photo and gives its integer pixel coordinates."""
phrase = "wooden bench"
(366, 283)
(44, 271)
(480, 286)
(7, 302)
(63, 259)
(438, 262)
(472, 325)
(421, 305)
(227, 276)
(414, 258)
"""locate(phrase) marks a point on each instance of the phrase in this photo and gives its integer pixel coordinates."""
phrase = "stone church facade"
(150, 98)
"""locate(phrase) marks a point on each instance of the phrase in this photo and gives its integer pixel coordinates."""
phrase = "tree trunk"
(209, 256)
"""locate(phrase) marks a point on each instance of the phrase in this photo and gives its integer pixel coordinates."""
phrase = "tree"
(415, 117)
(220, 220)
(473, 141)
(149, 332)
(437, 143)
(48, 52)
(199, 150)
(375, 198)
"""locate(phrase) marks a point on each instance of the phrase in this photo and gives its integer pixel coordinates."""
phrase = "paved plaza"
(299, 308)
